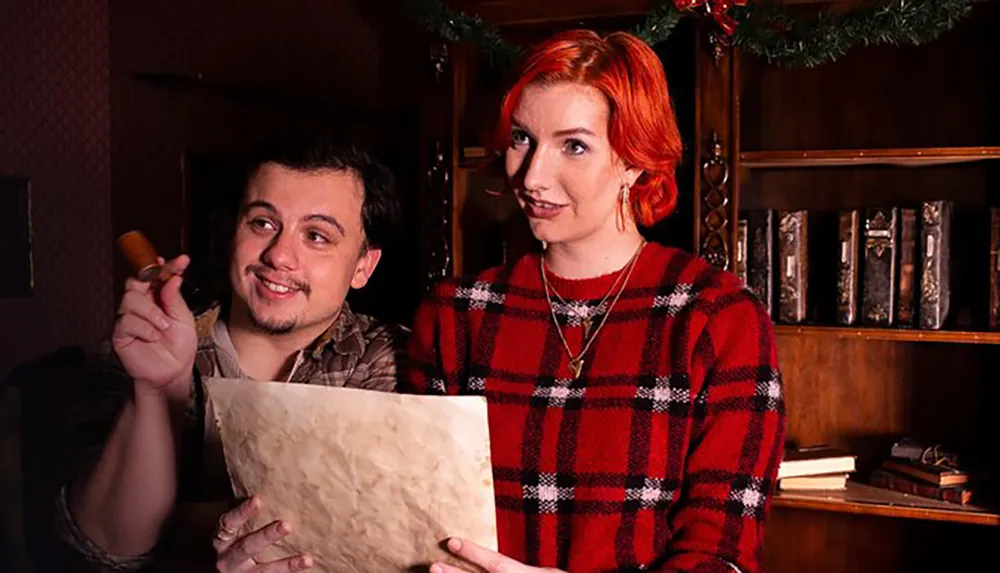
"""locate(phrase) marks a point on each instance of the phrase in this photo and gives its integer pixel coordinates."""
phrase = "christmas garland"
(772, 31)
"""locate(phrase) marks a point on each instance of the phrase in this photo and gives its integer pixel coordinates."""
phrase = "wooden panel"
(880, 97)
(921, 156)
(899, 334)
(524, 12)
(800, 540)
(863, 395)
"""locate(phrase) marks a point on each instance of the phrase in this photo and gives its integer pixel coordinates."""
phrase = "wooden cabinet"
(882, 126)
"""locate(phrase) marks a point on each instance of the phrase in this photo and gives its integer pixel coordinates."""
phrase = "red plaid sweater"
(661, 456)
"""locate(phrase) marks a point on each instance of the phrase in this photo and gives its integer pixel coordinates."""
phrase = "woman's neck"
(593, 256)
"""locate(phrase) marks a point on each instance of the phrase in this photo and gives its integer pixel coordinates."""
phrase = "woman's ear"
(632, 175)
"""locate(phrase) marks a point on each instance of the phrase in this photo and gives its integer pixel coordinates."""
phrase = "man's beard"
(274, 328)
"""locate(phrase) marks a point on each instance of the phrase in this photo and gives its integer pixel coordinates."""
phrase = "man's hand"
(154, 335)
(238, 554)
(490, 561)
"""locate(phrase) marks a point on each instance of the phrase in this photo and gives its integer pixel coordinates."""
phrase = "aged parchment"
(371, 481)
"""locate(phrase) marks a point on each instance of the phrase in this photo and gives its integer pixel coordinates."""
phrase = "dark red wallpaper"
(55, 129)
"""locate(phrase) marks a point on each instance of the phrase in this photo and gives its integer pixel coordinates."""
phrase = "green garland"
(772, 32)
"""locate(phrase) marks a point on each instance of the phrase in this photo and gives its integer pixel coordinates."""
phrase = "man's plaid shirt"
(661, 456)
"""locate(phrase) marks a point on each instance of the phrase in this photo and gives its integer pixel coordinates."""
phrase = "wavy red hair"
(642, 127)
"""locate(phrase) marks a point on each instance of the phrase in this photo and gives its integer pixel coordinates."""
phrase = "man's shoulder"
(377, 331)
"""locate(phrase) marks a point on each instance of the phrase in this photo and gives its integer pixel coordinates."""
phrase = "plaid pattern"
(661, 456)
(357, 352)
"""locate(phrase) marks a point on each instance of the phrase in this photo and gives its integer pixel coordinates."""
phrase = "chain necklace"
(585, 319)
(576, 362)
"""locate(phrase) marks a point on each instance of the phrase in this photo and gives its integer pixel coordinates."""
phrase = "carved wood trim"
(715, 235)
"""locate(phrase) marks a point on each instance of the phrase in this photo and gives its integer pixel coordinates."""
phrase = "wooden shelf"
(912, 157)
(864, 499)
(896, 334)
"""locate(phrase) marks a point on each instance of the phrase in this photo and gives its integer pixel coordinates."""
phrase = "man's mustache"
(258, 269)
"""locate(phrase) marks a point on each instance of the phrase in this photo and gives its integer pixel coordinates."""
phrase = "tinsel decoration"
(771, 31)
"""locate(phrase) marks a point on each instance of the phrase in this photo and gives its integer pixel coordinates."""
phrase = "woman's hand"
(491, 561)
(236, 554)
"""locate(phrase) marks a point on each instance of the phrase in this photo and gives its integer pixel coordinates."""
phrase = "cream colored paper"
(372, 481)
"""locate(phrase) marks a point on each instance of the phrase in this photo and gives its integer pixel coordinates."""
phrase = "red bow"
(719, 9)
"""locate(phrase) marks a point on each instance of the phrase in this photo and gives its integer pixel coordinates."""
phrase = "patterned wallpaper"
(55, 128)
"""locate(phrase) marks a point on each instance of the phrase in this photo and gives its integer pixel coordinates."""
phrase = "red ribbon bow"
(719, 9)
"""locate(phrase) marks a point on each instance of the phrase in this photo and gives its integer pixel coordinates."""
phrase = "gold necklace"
(576, 362)
(585, 321)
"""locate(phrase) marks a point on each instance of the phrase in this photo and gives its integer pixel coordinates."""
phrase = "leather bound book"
(741, 251)
(793, 263)
(878, 296)
(994, 268)
(935, 283)
(760, 256)
(847, 269)
(906, 301)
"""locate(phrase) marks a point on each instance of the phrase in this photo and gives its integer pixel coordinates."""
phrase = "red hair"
(642, 127)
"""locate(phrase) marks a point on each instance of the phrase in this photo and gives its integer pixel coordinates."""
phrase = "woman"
(635, 403)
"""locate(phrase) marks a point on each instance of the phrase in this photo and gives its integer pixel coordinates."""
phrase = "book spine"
(935, 288)
(741, 252)
(760, 256)
(847, 273)
(794, 265)
(878, 298)
(994, 268)
(906, 299)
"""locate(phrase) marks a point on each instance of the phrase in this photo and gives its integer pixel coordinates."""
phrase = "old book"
(906, 298)
(760, 256)
(935, 283)
(815, 460)
(878, 296)
(847, 271)
(994, 268)
(793, 232)
(941, 475)
(898, 482)
(741, 251)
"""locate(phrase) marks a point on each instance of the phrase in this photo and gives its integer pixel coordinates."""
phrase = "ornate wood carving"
(714, 202)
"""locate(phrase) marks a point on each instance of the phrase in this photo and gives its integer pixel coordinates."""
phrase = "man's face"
(299, 247)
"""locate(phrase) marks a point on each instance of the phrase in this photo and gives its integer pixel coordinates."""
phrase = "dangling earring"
(624, 207)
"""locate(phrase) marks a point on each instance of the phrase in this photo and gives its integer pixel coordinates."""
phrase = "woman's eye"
(518, 137)
(576, 147)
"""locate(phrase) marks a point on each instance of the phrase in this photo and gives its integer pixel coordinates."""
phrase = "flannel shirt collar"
(345, 336)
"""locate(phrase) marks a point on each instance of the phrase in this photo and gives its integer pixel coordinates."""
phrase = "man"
(311, 225)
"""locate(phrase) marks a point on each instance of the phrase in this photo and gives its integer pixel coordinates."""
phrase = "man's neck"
(269, 357)
(599, 254)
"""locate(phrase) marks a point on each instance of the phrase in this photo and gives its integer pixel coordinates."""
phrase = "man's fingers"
(178, 265)
(285, 565)
(134, 284)
(141, 304)
(489, 560)
(173, 301)
(231, 521)
(253, 543)
(132, 326)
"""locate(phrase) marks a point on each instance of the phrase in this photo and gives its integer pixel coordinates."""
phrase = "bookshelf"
(882, 126)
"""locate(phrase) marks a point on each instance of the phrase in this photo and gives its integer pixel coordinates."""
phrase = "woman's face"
(565, 175)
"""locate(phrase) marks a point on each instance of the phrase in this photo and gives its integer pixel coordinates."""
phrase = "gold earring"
(623, 208)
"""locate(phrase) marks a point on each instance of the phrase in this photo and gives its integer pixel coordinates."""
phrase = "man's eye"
(262, 224)
(576, 147)
(317, 238)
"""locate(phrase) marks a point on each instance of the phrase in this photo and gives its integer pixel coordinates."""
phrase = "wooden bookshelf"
(912, 157)
(892, 334)
(864, 499)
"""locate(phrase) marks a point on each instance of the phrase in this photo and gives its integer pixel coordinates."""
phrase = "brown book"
(930, 473)
(878, 297)
(905, 484)
(815, 460)
(847, 273)
(741, 251)
(906, 298)
(994, 268)
(793, 236)
(935, 276)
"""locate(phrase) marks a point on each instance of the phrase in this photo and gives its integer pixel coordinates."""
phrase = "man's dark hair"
(380, 210)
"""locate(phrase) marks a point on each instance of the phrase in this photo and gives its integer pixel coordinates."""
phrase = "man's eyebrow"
(259, 204)
(327, 219)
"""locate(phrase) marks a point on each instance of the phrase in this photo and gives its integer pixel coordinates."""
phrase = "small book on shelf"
(815, 460)
(826, 482)
(940, 475)
(902, 483)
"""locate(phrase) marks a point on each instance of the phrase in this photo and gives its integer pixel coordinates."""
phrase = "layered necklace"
(576, 361)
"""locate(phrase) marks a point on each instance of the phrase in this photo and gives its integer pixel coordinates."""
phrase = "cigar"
(140, 252)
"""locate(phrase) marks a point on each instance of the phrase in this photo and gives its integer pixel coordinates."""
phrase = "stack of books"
(904, 471)
(820, 467)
